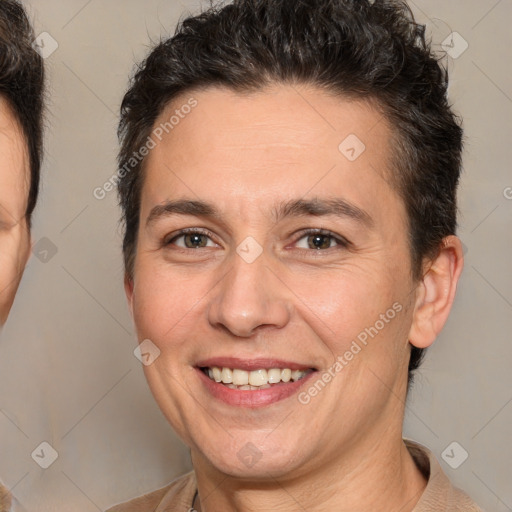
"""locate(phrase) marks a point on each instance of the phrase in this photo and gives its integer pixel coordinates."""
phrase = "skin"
(14, 186)
(245, 155)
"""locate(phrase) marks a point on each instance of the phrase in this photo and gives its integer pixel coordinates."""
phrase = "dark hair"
(357, 48)
(22, 84)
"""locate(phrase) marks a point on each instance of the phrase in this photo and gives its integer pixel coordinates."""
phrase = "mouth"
(252, 383)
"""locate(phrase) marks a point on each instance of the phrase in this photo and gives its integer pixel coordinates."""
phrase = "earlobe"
(435, 293)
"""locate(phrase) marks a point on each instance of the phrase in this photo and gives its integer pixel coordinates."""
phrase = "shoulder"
(175, 496)
(5, 499)
(439, 494)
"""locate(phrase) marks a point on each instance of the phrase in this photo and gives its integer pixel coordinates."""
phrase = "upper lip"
(251, 364)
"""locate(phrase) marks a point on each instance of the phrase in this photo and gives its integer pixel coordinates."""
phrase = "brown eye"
(195, 240)
(319, 241)
(191, 240)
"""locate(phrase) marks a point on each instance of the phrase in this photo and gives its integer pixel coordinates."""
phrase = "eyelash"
(341, 242)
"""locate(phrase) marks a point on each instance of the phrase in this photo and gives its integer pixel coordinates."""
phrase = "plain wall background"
(67, 370)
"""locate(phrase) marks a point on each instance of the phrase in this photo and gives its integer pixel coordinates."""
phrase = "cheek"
(361, 321)
(345, 300)
(164, 301)
(14, 248)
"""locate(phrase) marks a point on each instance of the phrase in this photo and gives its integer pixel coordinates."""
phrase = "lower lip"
(254, 398)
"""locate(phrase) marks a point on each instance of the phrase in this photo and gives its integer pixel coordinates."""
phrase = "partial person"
(21, 108)
(21, 127)
(288, 174)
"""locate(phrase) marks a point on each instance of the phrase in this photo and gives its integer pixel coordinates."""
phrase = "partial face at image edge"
(14, 186)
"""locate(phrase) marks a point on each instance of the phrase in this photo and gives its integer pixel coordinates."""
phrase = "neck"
(385, 478)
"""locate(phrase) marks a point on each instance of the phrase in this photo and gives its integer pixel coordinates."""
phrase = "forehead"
(279, 142)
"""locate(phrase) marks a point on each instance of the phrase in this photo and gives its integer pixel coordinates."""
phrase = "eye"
(191, 239)
(320, 240)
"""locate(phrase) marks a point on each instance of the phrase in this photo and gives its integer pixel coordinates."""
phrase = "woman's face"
(295, 257)
(14, 186)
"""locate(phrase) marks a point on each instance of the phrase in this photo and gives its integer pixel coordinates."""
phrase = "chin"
(253, 461)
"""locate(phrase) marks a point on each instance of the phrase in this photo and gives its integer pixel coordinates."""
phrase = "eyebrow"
(322, 207)
(182, 207)
(295, 208)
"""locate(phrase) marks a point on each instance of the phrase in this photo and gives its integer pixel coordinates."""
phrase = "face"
(266, 242)
(14, 186)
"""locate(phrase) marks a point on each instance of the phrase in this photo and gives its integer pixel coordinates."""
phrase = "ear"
(435, 293)
(128, 290)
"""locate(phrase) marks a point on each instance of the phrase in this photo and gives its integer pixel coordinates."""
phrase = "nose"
(250, 297)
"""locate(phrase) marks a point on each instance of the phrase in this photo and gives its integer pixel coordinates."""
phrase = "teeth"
(240, 377)
(256, 379)
(216, 374)
(296, 375)
(274, 375)
(227, 376)
(286, 375)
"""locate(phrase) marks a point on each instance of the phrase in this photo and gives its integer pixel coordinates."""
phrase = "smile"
(243, 380)
(252, 382)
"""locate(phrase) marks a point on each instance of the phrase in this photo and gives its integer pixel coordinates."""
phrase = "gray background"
(67, 370)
